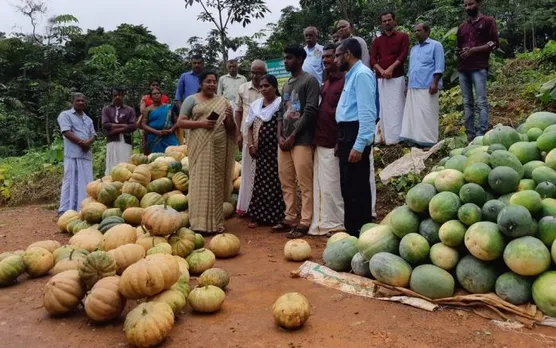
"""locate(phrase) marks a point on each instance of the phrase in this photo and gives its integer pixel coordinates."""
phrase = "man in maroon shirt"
(328, 204)
(388, 54)
(477, 37)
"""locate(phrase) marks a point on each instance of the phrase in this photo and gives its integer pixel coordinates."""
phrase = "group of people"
(312, 140)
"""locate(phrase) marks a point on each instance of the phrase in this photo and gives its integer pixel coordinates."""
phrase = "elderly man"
(228, 84)
(188, 83)
(247, 93)
(313, 63)
(426, 66)
(79, 134)
(388, 54)
(345, 31)
(356, 115)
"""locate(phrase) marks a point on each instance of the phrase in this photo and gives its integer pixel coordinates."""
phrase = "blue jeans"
(478, 79)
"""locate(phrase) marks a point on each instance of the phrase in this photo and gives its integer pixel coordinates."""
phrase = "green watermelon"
(525, 151)
(473, 193)
(513, 288)
(549, 207)
(432, 282)
(506, 159)
(529, 167)
(506, 198)
(430, 178)
(495, 147)
(419, 196)
(390, 269)
(547, 230)
(515, 221)
(429, 229)
(476, 276)
(437, 168)
(456, 152)
(540, 120)
(544, 293)
(546, 189)
(482, 157)
(527, 256)
(550, 129)
(504, 135)
(492, 209)
(547, 141)
(526, 184)
(444, 207)
(456, 163)
(337, 256)
(469, 214)
(378, 239)
(452, 233)
(449, 180)
(503, 180)
(484, 241)
(529, 199)
(550, 159)
(473, 149)
(444, 256)
(477, 173)
(443, 161)
(414, 248)
(404, 221)
(534, 133)
(478, 140)
(360, 266)
(366, 227)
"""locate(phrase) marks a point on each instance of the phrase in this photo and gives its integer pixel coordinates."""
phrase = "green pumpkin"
(153, 156)
(178, 202)
(110, 222)
(11, 267)
(95, 266)
(138, 158)
(151, 198)
(182, 242)
(135, 189)
(181, 182)
(111, 212)
(174, 167)
(81, 225)
(126, 200)
(108, 193)
(160, 186)
(72, 224)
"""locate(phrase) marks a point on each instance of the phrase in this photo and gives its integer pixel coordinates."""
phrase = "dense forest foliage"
(39, 70)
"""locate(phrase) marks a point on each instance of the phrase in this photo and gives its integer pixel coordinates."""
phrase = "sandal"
(298, 232)
(253, 224)
(283, 226)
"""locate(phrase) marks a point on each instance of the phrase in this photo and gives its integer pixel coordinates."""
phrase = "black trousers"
(354, 180)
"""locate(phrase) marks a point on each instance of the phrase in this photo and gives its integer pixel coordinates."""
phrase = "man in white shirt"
(229, 83)
(345, 31)
(313, 63)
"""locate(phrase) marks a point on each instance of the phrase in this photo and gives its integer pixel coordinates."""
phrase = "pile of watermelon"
(483, 220)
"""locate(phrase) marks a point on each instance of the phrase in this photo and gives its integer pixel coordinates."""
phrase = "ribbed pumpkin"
(126, 255)
(185, 165)
(49, 245)
(149, 276)
(118, 185)
(141, 175)
(88, 239)
(108, 194)
(104, 301)
(170, 194)
(159, 169)
(149, 241)
(148, 324)
(135, 189)
(214, 276)
(63, 293)
(161, 186)
(106, 179)
(181, 181)
(117, 236)
(120, 173)
(184, 268)
(224, 245)
(111, 212)
(178, 202)
(66, 218)
(153, 156)
(110, 222)
(11, 267)
(160, 248)
(200, 260)
(161, 220)
(150, 199)
(38, 261)
(72, 262)
(76, 226)
(138, 158)
(97, 265)
(182, 242)
(65, 251)
(133, 216)
(184, 218)
(92, 212)
(141, 231)
(86, 201)
(199, 241)
(182, 285)
(174, 166)
(129, 166)
(125, 201)
(237, 170)
(175, 298)
(178, 156)
(93, 188)
(206, 299)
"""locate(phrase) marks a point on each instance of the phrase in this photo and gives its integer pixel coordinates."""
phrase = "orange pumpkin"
(161, 220)
(133, 216)
(148, 324)
(117, 236)
(104, 301)
(149, 276)
(126, 255)
(120, 173)
(63, 293)
(141, 175)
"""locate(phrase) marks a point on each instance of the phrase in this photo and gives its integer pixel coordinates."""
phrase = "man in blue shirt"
(356, 115)
(426, 66)
(313, 63)
(189, 81)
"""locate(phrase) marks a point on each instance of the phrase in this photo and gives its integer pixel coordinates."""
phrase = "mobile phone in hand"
(213, 116)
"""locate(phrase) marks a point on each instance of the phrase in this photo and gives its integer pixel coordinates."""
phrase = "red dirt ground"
(258, 276)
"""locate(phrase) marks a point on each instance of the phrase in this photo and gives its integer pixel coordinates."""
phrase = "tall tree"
(222, 13)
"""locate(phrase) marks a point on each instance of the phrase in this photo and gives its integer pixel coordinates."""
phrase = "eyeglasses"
(258, 73)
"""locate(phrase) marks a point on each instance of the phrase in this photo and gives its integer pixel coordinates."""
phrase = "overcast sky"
(167, 19)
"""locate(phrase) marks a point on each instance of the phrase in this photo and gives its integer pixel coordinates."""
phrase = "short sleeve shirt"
(82, 127)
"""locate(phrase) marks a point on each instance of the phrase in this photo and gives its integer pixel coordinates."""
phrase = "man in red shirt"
(388, 54)
(328, 204)
(477, 37)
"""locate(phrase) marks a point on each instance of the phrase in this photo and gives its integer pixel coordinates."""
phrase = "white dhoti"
(420, 120)
(78, 173)
(391, 93)
(328, 204)
(117, 152)
(247, 179)
(372, 182)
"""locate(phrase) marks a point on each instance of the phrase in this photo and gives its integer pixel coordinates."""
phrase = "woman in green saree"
(159, 124)
(211, 147)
